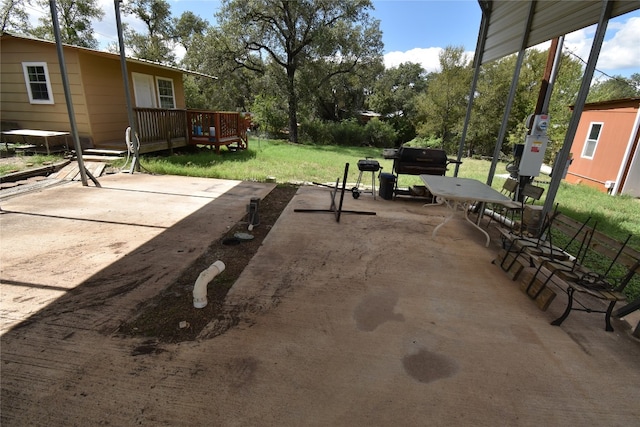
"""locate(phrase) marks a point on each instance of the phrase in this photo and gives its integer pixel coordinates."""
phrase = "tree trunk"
(293, 105)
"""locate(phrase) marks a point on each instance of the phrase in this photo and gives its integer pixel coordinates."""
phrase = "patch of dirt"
(171, 317)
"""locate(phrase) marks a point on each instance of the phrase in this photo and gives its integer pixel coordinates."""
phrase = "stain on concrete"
(525, 334)
(242, 371)
(374, 310)
(426, 366)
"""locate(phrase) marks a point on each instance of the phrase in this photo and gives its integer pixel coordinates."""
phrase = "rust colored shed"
(605, 149)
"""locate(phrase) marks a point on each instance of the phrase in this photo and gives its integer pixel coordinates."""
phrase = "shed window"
(36, 77)
(165, 93)
(592, 140)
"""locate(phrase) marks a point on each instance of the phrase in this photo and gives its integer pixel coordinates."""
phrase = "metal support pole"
(482, 37)
(67, 94)
(135, 162)
(512, 94)
(563, 154)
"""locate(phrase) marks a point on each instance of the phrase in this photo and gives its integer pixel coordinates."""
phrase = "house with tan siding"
(606, 153)
(32, 94)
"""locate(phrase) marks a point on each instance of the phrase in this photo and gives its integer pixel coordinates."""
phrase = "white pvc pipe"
(200, 288)
(499, 218)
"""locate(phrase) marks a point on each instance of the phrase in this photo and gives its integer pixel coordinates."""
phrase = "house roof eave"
(111, 55)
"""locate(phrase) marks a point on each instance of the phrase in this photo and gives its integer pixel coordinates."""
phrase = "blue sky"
(417, 31)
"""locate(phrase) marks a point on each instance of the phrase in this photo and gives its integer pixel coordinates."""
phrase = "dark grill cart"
(417, 161)
(366, 165)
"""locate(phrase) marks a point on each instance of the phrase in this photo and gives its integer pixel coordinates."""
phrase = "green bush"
(348, 133)
(380, 134)
(425, 142)
(405, 130)
(316, 132)
(269, 113)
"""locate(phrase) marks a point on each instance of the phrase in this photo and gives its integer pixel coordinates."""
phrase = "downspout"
(628, 153)
(200, 287)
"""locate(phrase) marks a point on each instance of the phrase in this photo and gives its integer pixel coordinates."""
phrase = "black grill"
(419, 161)
(368, 165)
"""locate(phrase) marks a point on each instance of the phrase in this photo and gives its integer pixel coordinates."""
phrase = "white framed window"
(595, 130)
(166, 92)
(36, 77)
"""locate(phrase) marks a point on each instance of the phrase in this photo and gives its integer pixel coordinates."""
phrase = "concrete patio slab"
(369, 321)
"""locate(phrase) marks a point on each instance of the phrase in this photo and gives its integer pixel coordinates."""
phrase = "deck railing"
(158, 124)
(214, 128)
(217, 128)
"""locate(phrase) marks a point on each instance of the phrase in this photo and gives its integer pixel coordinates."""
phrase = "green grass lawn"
(617, 216)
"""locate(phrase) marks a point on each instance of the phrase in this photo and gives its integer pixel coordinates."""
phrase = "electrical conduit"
(200, 288)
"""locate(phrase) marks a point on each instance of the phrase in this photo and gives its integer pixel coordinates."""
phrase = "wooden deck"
(161, 130)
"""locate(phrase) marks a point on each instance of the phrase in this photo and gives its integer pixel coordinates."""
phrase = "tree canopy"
(334, 37)
(74, 18)
(14, 16)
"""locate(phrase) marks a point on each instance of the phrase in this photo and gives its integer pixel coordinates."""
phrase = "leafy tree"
(236, 86)
(14, 16)
(156, 45)
(617, 87)
(492, 92)
(441, 109)
(395, 90)
(564, 95)
(489, 104)
(74, 18)
(268, 114)
(394, 95)
(335, 96)
(293, 34)
(186, 27)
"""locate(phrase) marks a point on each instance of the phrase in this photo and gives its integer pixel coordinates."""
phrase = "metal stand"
(366, 165)
(336, 210)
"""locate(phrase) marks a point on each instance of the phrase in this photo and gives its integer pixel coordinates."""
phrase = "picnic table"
(35, 133)
(456, 192)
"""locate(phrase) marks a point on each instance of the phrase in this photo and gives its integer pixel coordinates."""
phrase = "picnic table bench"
(564, 258)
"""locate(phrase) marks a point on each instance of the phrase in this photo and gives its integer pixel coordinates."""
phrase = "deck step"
(100, 152)
(72, 173)
(101, 158)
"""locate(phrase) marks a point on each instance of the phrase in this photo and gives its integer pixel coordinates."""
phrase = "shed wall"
(617, 125)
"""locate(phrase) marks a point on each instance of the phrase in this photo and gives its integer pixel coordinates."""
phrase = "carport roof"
(506, 21)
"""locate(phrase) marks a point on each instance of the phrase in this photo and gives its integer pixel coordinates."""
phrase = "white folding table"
(46, 134)
(457, 192)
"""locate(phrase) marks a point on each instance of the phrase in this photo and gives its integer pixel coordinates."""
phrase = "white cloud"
(429, 58)
(622, 51)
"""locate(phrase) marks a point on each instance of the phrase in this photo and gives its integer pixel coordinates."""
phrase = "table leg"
(46, 144)
(466, 216)
(454, 208)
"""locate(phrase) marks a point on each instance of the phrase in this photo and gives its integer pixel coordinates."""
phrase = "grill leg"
(373, 184)
(359, 179)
